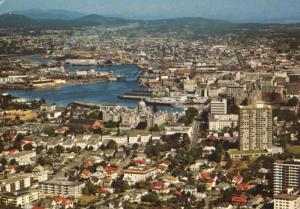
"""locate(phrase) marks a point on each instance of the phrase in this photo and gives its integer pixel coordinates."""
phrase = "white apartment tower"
(255, 127)
(286, 176)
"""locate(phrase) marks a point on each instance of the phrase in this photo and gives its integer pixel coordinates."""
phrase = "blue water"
(106, 92)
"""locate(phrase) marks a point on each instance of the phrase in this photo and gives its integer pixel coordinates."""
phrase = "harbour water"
(102, 93)
(106, 92)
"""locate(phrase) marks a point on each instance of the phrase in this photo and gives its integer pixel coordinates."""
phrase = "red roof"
(210, 181)
(238, 179)
(103, 191)
(239, 199)
(242, 186)
(167, 162)
(62, 201)
(110, 170)
(205, 174)
(177, 193)
(158, 186)
(140, 162)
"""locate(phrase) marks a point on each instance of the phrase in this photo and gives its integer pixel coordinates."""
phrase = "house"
(208, 151)
(135, 196)
(160, 187)
(197, 164)
(39, 174)
(241, 200)
(63, 202)
(210, 183)
(243, 187)
(94, 143)
(192, 189)
(85, 174)
(105, 191)
(110, 172)
(237, 179)
(170, 179)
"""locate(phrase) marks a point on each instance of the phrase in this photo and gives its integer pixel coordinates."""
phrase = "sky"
(234, 10)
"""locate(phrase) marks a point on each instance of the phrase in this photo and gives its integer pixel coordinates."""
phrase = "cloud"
(2, 2)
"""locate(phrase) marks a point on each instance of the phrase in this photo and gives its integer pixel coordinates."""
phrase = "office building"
(218, 107)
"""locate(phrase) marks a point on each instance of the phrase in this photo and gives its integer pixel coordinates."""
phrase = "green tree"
(294, 101)
(3, 161)
(89, 188)
(142, 125)
(50, 131)
(1, 146)
(28, 147)
(60, 149)
(120, 186)
(112, 145)
(151, 198)
(39, 149)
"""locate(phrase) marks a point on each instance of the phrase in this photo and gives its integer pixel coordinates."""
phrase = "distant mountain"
(94, 19)
(49, 14)
(189, 25)
(197, 24)
(15, 21)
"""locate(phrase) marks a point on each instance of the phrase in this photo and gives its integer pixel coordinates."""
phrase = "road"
(198, 121)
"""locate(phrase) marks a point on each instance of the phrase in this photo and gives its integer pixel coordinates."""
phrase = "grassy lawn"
(234, 152)
(295, 150)
(239, 165)
(107, 131)
(162, 127)
(136, 132)
(88, 199)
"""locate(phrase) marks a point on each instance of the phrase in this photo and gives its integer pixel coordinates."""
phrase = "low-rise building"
(139, 174)
(60, 187)
(20, 199)
(15, 183)
(22, 158)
